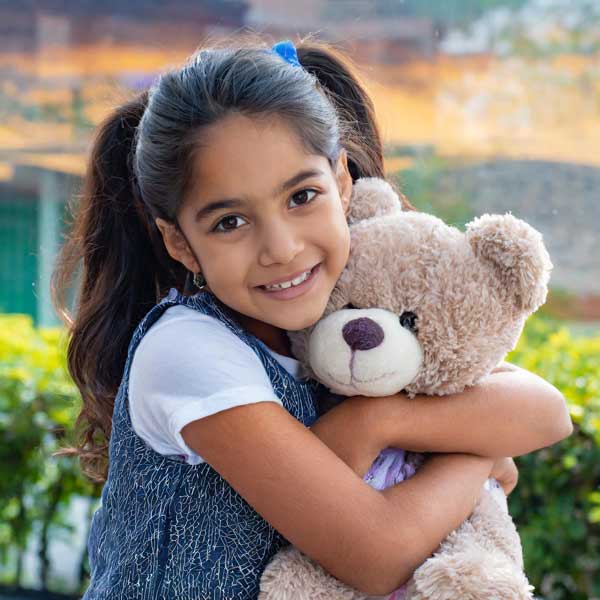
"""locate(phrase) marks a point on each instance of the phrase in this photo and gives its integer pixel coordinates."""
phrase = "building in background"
(45, 133)
(373, 32)
(477, 94)
(47, 127)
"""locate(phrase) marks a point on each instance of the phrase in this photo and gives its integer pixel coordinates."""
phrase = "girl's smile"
(292, 287)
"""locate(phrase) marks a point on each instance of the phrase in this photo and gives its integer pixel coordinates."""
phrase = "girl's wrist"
(350, 432)
(384, 418)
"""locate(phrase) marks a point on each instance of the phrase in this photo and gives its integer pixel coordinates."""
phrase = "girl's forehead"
(250, 153)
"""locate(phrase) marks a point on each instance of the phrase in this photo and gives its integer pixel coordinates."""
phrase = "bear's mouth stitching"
(354, 380)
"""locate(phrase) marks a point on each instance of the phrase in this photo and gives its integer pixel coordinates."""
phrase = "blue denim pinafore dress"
(169, 530)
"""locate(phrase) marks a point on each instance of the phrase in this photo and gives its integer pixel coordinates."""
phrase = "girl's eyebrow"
(216, 205)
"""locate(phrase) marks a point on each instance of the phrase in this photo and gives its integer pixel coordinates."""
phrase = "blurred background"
(484, 105)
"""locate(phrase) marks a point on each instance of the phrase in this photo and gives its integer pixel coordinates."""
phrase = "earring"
(199, 281)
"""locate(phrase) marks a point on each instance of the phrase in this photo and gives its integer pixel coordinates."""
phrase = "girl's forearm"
(429, 506)
(420, 512)
(510, 413)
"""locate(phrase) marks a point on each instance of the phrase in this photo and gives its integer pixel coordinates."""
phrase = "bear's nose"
(362, 334)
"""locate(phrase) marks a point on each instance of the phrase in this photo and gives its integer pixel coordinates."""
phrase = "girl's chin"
(294, 319)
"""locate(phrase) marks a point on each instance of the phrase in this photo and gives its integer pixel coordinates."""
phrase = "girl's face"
(264, 212)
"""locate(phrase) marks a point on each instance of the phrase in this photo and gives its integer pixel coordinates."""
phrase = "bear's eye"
(409, 320)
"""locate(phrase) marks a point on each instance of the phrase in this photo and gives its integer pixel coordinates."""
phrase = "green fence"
(18, 255)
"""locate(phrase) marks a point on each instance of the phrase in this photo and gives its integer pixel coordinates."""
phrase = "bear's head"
(422, 306)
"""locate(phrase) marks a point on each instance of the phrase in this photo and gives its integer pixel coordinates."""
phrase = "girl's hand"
(505, 472)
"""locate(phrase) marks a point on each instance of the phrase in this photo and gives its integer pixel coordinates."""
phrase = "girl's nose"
(279, 244)
(362, 334)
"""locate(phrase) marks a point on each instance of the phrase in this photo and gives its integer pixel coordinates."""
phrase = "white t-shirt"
(187, 366)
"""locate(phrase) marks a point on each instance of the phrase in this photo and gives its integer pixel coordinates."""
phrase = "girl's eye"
(300, 197)
(228, 224)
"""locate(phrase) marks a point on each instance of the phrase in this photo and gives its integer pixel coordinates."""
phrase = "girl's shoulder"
(188, 366)
(187, 333)
(179, 313)
(181, 332)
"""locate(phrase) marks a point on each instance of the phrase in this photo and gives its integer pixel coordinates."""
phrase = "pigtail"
(123, 270)
(361, 136)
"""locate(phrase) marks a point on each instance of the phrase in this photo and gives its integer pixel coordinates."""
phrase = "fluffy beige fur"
(471, 293)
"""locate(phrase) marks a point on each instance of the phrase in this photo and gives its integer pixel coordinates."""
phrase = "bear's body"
(425, 308)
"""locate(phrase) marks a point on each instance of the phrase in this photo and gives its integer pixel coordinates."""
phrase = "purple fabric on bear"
(389, 468)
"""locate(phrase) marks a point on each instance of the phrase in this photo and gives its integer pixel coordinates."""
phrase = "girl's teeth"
(287, 284)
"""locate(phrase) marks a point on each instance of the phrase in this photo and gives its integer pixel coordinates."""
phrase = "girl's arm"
(511, 412)
(370, 540)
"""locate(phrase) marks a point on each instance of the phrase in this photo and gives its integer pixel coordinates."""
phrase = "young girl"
(238, 168)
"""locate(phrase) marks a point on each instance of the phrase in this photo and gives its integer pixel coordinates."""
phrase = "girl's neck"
(274, 337)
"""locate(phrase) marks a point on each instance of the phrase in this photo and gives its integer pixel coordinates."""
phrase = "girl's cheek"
(343, 232)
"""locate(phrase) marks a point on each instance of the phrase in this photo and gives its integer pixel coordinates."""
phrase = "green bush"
(38, 402)
(556, 504)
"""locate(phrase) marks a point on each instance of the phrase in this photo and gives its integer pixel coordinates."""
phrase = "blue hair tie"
(287, 51)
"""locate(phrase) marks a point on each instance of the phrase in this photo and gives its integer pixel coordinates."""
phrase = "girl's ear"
(176, 245)
(344, 180)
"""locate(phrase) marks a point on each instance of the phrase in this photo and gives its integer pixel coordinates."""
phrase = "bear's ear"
(517, 254)
(372, 197)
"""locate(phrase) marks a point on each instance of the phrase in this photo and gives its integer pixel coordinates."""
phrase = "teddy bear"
(428, 309)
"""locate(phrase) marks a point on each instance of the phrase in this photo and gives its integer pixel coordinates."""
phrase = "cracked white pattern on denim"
(167, 529)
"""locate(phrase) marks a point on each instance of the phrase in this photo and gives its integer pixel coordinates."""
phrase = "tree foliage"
(556, 504)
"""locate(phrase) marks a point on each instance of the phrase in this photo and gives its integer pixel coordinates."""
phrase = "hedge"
(38, 402)
(556, 504)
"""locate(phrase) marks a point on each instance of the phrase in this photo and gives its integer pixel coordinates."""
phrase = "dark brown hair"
(140, 168)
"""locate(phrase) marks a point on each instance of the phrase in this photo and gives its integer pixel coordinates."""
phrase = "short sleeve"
(188, 366)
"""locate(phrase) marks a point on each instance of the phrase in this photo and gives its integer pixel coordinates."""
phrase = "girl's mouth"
(294, 288)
